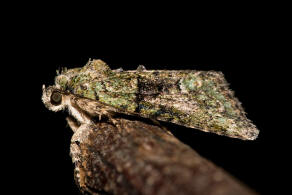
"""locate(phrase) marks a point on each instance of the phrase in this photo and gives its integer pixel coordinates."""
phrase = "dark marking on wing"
(139, 96)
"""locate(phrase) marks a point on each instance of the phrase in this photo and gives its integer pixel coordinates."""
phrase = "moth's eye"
(56, 98)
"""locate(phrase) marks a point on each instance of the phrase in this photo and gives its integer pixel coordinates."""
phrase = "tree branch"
(140, 158)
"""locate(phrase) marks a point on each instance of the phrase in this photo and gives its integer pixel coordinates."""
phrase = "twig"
(140, 158)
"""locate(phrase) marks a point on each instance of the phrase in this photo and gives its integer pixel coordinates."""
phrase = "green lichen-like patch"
(197, 99)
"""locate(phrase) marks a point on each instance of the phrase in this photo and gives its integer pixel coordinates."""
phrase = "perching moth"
(191, 98)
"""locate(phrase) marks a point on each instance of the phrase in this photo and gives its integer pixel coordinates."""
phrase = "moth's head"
(53, 98)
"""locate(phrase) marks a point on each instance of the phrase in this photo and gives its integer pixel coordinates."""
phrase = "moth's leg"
(72, 124)
(76, 155)
(156, 122)
(114, 122)
(110, 116)
(80, 136)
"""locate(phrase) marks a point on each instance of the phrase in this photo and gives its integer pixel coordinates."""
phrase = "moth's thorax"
(93, 70)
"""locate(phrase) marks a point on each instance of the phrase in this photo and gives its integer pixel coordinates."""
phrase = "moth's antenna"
(89, 62)
(63, 70)
(59, 71)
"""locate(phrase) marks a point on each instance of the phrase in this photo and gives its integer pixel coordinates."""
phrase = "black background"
(242, 54)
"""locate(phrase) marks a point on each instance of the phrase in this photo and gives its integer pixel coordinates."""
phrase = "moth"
(195, 99)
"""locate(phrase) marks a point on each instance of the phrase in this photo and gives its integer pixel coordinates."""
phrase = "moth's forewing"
(196, 99)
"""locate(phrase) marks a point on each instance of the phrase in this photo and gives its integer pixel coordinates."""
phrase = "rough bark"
(140, 158)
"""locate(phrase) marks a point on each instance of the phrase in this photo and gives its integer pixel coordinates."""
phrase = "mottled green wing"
(196, 99)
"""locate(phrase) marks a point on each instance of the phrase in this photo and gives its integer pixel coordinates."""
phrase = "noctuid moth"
(191, 98)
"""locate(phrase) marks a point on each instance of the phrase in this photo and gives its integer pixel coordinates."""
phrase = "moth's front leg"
(110, 115)
(80, 136)
(72, 124)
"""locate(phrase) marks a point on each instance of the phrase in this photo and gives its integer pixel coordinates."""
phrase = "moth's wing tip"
(255, 135)
(251, 134)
